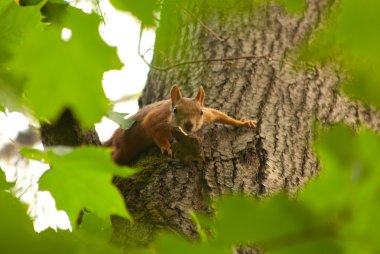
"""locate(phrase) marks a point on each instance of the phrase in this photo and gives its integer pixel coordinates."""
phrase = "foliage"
(29, 47)
(351, 38)
(88, 173)
(17, 234)
(43, 74)
(144, 10)
(121, 119)
(4, 185)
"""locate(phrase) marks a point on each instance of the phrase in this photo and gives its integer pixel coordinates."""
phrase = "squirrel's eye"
(201, 112)
(175, 110)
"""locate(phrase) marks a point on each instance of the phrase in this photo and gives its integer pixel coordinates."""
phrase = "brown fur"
(154, 122)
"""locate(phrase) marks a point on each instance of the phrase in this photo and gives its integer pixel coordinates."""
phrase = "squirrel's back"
(149, 122)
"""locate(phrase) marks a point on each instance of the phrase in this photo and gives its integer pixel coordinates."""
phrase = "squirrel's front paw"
(249, 123)
(167, 151)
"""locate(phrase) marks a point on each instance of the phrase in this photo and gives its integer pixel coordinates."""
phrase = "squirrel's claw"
(167, 151)
(249, 123)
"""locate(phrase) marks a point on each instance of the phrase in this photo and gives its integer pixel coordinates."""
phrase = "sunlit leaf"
(82, 178)
(62, 73)
(96, 227)
(34, 154)
(15, 225)
(4, 185)
(15, 24)
(17, 234)
(4, 4)
(144, 10)
(121, 119)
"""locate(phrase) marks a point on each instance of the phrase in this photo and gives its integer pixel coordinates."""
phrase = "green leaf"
(144, 10)
(302, 245)
(350, 37)
(82, 178)
(15, 24)
(55, 12)
(96, 227)
(364, 81)
(241, 220)
(349, 163)
(200, 229)
(120, 118)
(171, 243)
(17, 234)
(360, 229)
(34, 154)
(28, 2)
(278, 225)
(4, 4)
(4, 185)
(347, 190)
(64, 74)
(15, 225)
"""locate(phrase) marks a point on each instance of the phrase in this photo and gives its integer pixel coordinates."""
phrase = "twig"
(203, 61)
(100, 12)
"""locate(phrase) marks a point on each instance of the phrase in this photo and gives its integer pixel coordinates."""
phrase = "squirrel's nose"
(188, 126)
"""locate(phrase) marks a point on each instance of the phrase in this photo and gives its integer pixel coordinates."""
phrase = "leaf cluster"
(46, 73)
(350, 38)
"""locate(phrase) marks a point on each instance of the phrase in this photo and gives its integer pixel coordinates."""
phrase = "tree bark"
(246, 66)
(66, 131)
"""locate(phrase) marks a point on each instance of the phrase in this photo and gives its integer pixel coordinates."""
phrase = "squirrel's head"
(187, 112)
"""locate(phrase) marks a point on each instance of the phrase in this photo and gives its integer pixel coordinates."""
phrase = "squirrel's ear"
(175, 94)
(201, 95)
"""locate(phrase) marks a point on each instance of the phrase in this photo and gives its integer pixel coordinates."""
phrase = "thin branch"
(203, 61)
(146, 51)
(100, 12)
(223, 59)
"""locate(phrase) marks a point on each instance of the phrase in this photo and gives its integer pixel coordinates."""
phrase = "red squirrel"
(153, 124)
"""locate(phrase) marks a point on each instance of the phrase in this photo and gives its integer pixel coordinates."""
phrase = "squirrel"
(153, 124)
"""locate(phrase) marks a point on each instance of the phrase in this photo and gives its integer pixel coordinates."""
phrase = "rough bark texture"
(286, 102)
(66, 131)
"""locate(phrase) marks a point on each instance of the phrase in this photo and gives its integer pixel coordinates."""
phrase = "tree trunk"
(242, 54)
(66, 131)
